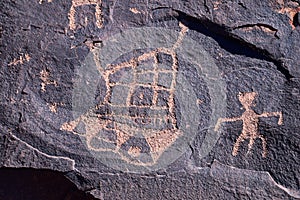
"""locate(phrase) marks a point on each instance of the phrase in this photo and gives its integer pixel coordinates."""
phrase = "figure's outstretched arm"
(272, 114)
(221, 120)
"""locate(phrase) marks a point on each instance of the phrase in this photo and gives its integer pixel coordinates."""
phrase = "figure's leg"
(98, 14)
(250, 145)
(264, 144)
(72, 23)
(237, 144)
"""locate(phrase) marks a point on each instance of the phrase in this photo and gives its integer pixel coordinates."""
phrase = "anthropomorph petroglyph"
(250, 121)
(45, 77)
(136, 118)
(98, 12)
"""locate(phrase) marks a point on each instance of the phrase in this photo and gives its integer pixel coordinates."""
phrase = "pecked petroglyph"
(250, 121)
(41, 1)
(21, 60)
(53, 107)
(45, 77)
(76, 3)
(137, 115)
(290, 9)
(135, 10)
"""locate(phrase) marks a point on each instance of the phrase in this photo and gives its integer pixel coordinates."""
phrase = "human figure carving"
(98, 12)
(250, 123)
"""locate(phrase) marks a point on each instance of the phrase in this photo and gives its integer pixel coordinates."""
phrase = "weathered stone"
(156, 99)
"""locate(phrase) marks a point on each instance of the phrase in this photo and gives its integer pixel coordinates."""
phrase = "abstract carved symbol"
(22, 59)
(250, 123)
(76, 3)
(136, 118)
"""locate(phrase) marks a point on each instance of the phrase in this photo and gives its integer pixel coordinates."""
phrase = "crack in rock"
(18, 153)
(239, 176)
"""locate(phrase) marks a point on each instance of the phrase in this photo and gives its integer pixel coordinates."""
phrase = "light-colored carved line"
(153, 107)
(158, 70)
(122, 137)
(135, 10)
(132, 117)
(250, 123)
(199, 101)
(141, 84)
(99, 17)
(273, 114)
(134, 151)
(137, 163)
(77, 3)
(72, 20)
(132, 128)
(132, 85)
(21, 60)
(221, 120)
(166, 139)
(181, 36)
(98, 12)
(146, 56)
(111, 69)
(155, 79)
(108, 92)
(45, 77)
(160, 140)
(171, 97)
(172, 52)
(132, 62)
(53, 107)
(171, 102)
(70, 126)
(140, 58)
(96, 56)
(290, 12)
(41, 1)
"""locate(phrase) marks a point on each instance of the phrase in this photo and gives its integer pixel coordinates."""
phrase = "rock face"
(153, 99)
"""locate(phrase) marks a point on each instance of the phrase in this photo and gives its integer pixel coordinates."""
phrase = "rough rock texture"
(63, 110)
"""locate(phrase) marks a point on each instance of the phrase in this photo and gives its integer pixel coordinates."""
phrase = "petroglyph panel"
(138, 111)
(61, 82)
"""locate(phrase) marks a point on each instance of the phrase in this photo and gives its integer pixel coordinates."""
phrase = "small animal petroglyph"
(98, 12)
(23, 58)
(136, 118)
(250, 121)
